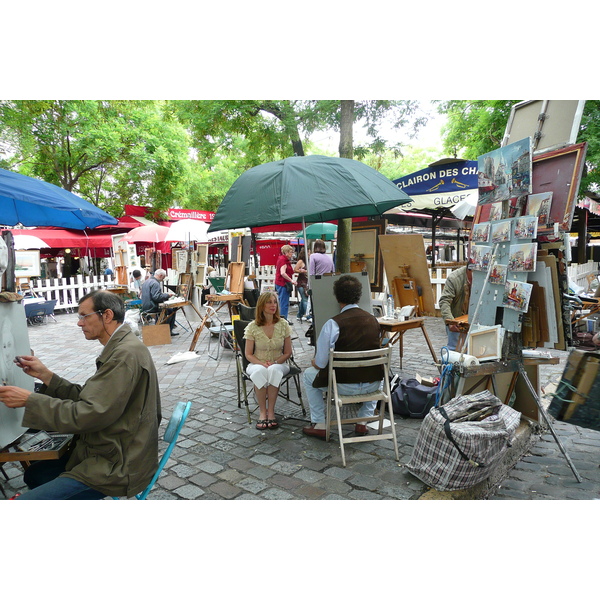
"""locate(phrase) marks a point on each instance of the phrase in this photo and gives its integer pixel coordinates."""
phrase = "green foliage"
(476, 127)
(109, 152)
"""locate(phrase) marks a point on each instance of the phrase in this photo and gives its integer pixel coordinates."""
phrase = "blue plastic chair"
(175, 425)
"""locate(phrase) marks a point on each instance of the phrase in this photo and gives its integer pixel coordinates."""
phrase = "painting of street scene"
(495, 211)
(481, 232)
(501, 231)
(498, 274)
(522, 257)
(526, 228)
(538, 205)
(480, 256)
(505, 173)
(517, 295)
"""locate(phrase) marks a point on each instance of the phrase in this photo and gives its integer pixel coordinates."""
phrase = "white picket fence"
(67, 294)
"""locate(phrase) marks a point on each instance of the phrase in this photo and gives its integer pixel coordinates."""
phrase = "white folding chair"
(353, 360)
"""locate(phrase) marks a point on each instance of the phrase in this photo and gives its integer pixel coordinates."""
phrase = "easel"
(399, 328)
(235, 278)
(516, 366)
(485, 375)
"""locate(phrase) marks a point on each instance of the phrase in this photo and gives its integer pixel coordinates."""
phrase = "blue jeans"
(43, 479)
(317, 404)
(452, 338)
(284, 300)
(303, 302)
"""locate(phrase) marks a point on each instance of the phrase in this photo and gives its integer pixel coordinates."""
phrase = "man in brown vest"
(353, 329)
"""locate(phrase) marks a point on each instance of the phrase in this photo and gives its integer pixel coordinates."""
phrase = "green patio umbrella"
(318, 231)
(311, 189)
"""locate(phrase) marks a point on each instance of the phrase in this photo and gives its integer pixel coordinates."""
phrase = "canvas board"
(14, 341)
(401, 250)
(324, 304)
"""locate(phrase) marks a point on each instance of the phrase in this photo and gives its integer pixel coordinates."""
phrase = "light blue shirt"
(327, 339)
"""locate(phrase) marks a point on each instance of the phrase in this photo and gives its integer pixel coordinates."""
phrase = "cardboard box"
(156, 335)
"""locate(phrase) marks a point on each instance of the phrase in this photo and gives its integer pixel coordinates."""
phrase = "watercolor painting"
(526, 228)
(480, 257)
(522, 257)
(501, 231)
(538, 205)
(498, 274)
(517, 295)
(505, 172)
(481, 232)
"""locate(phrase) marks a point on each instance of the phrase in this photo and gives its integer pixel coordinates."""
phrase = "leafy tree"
(109, 152)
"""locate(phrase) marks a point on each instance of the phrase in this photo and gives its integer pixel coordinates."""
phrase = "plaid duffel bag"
(460, 442)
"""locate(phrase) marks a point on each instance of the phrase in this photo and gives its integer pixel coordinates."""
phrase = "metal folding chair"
(242, 379)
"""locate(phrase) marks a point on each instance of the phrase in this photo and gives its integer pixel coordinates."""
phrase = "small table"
(399, 328)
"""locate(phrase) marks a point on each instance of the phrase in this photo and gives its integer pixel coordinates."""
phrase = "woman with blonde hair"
(268, 346)
(284, 278)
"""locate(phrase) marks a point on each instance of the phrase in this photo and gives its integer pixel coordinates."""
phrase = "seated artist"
(152, 296)
(115, 415)
(354, 329)
(268, 346)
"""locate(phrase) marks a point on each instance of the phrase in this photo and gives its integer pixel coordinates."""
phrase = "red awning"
(68, 238)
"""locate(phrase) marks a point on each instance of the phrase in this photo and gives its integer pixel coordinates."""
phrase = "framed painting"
(27, 263)
(365, 251)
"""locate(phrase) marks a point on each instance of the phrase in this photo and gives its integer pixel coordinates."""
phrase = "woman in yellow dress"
(268, 346)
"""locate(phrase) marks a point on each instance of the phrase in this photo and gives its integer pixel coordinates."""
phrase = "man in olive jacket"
(115, 415)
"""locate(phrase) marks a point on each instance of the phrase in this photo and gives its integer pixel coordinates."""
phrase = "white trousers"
(263, 376)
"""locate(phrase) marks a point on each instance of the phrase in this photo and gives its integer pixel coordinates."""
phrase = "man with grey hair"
(115, 415)
(152, 296)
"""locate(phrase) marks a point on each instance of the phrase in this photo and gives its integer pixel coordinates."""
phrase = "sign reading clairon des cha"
(440, 186)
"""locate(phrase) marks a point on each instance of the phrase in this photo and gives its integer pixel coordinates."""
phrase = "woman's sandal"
(262, 424)
(272, 424)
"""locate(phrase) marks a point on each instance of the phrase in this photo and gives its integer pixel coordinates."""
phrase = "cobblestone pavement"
(220, 456)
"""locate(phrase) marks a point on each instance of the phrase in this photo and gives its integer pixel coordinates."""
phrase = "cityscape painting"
(505, 172)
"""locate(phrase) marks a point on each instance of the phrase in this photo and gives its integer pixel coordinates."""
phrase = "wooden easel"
(235, 281)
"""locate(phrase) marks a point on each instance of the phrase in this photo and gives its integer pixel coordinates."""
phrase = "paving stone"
(225, 490)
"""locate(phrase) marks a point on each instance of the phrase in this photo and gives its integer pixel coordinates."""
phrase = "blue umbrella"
(32, 202)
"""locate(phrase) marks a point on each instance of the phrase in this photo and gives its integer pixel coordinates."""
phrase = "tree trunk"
(346, 149)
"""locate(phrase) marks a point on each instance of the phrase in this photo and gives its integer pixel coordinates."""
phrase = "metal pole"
(547, 419)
